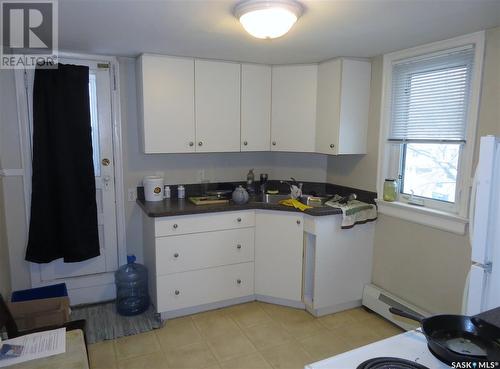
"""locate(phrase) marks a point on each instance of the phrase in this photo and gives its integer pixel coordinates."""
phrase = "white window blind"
(430, 97)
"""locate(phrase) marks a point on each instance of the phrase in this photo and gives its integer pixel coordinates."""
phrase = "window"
(428, 124)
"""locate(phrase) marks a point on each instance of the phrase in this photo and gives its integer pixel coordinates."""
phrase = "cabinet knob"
(298, 221)
(238, 220)
(191, 143)
(245, 143)
(238, 281)
(176, 255)
(274, 143)
(175, 226)
(200, 143)
(238, 246)
(332, 146)
(177, 292)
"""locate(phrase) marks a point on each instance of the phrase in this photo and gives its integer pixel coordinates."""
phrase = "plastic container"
(131, 288)
(390, 190)
(47, 292)
(181, 192)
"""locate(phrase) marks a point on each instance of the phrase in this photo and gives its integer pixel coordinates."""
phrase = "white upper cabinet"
(294, 108)
(343, 101)
(217, 106)
(255, 107)
(166, 103)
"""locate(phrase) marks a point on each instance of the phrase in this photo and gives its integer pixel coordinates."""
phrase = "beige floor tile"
(195, 356)
(137, 345)
(252, 361)
(215, 324)
(284, 314)
(340, 319)
(228, 346)
(178, 332)
(383, 328)
(357, 334)
(267, 335)
(151, 361)
(214, 366)
(305, 328)
(289, 356)
(247, 315)
(323, 345)
(102, 355)
(360, 314)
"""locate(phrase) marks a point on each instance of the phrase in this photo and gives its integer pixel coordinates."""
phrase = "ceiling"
(207, 28)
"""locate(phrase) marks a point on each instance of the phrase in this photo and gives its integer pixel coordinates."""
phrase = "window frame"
(432, 213)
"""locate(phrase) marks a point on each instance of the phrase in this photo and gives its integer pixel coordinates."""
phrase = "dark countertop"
(173, 207)
(491, 316)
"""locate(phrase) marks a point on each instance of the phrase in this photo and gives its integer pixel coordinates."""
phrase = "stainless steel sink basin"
(314, 201)
(274, 199)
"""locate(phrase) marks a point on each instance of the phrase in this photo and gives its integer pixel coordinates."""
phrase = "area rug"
(104, 323)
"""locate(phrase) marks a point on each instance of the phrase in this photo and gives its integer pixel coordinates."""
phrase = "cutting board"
(208, 200)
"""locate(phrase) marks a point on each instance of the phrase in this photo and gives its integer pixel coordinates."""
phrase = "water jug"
(131, 288)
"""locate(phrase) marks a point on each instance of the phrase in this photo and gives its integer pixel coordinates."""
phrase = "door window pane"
(94, 122)
(430, 170)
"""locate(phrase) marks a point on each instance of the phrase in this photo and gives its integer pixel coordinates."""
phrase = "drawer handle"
(238, 281)
(239, 220)
(191, 143)
(175, 226)
(332, 146)
(176, 255)
(245, 143)
(298, 221)
(238, 246)
(274, 143)
(177, 292)
(200, 143)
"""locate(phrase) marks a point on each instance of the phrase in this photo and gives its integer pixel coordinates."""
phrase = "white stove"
(410, 345)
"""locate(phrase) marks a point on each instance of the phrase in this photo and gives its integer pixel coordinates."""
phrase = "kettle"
(240, 195)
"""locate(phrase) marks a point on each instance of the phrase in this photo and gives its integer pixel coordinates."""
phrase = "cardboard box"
(40, 313)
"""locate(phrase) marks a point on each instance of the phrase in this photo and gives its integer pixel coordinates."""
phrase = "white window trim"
(455, 222)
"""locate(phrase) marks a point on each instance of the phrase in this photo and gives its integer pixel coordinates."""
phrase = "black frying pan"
(458, 338)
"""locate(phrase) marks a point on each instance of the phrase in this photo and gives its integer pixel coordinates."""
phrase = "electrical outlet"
(132, 194)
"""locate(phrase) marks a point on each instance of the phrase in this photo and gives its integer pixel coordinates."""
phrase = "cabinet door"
(166, 103)
(294, 108)
(217, 91)
(255, 107)
(328, 107)
(278, 255)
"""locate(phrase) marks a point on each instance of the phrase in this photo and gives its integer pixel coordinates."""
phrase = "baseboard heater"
(379, 301)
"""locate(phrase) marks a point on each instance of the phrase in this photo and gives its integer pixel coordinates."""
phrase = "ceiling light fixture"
(268, 18)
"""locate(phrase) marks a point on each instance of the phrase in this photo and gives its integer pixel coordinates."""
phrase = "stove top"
(410, 346)
(390, 363)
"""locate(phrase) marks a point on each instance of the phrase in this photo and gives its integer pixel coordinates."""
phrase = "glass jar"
(390, 190)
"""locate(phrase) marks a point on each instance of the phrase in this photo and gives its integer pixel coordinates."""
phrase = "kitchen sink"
(314, 201)
(274, 199)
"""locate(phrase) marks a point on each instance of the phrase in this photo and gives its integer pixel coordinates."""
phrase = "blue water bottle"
(131, 288)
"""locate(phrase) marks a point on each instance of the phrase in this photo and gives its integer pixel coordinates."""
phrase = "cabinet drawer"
(182, 290)
(204, 250)
(184, 224)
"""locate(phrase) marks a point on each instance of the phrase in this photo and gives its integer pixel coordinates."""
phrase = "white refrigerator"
(483, 289)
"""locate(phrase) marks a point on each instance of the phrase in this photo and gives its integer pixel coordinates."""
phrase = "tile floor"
(248, 336)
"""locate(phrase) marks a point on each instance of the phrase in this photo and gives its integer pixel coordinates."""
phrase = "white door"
(279, 244)
(293, 118)
(217, 106)
(255, 107)
(102, 142)
(166, 103)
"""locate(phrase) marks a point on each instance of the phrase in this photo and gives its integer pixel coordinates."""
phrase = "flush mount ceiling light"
(268, 18)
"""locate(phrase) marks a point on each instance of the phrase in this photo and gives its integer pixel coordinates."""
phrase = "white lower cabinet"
(205, 286)
(279, 254)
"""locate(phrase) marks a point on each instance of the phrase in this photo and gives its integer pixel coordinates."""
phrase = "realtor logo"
(29, 34)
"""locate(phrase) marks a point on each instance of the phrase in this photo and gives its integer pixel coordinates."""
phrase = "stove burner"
(390, 363)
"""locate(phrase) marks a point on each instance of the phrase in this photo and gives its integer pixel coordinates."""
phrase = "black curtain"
(63, 200)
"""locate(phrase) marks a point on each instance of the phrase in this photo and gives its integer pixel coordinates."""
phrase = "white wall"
(425, 266)
(184, 168)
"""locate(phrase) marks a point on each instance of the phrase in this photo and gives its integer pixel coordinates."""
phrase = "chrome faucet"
(295, 188)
